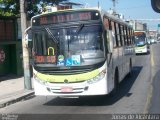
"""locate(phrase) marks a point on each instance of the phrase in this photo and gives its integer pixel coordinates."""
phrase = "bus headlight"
(42, 82)
(97, 78)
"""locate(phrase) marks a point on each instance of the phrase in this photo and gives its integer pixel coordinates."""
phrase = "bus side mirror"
(28, 38)
(156, 5)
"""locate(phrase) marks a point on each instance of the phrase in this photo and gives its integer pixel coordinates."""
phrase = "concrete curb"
(16, 98)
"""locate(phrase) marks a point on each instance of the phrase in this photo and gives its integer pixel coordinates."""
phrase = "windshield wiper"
(52, 36)
(80, 28)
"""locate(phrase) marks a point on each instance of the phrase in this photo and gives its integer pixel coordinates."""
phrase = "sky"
(131, 9)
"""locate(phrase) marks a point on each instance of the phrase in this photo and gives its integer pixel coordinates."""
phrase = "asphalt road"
(137, 94)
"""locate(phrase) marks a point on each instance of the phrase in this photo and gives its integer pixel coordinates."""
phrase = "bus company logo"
(66, 81)
(2, 56)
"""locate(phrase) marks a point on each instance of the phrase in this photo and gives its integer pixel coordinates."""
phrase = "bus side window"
(106, 23)
(109, 25)
(132, 37)
(133, 40)
(129, 40)
(125, 35)
(121, 35)
(130, 33)
(118, 35)
(116, 29)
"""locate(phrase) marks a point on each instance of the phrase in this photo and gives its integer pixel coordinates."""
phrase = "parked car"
(148, 41)
(158, 40)
(152, 41)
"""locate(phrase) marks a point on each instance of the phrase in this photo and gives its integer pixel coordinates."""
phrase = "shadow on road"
(140, 54)
(9, 77)
(124, 89)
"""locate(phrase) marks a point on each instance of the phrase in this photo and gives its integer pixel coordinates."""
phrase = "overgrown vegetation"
(32, 7)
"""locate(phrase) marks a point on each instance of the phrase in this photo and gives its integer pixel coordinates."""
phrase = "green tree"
(9, 7)
(32, 7)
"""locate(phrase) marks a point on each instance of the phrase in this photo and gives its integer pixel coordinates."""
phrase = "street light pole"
(26, 66)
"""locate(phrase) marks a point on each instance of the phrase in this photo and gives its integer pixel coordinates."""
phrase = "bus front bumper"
(71, 89)
(141, 50)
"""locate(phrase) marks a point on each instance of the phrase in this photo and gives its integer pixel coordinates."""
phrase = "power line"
(144, 6)
(149, 20)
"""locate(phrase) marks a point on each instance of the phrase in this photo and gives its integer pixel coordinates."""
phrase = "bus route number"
(45, 59)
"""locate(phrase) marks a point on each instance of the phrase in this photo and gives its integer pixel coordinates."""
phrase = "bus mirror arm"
(27, 38)
(26, 41)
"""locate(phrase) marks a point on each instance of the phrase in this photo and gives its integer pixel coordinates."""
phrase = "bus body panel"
(121, 60)
(142, 49)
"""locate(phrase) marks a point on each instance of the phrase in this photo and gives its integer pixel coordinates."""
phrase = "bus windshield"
(68, 46)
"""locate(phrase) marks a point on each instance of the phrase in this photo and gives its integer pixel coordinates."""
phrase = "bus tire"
(116, 83)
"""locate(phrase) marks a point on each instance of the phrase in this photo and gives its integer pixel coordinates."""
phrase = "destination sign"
(139, 33)
(45, 59)
(61, 17)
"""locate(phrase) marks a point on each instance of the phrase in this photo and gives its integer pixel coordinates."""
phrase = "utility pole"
(98, 4)
(26, 66)
(114, 5)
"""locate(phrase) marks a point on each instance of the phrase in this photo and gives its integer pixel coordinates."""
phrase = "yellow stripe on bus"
(70, 78)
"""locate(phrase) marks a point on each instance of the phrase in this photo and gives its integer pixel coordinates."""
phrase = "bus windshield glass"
(68, 46)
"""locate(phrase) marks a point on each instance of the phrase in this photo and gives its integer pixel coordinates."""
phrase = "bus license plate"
(66, 89)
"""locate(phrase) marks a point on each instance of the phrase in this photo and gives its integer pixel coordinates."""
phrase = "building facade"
(10, 47)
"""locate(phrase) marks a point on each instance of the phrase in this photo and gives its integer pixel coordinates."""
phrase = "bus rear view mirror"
(156, 5)
(28, 38)
(109, 41)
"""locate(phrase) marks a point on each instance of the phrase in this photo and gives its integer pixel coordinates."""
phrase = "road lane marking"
(149, 96)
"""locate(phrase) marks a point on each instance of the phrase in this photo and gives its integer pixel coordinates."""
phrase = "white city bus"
(80, 52)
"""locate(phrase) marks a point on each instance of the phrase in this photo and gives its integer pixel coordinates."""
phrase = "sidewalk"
(12, 90)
